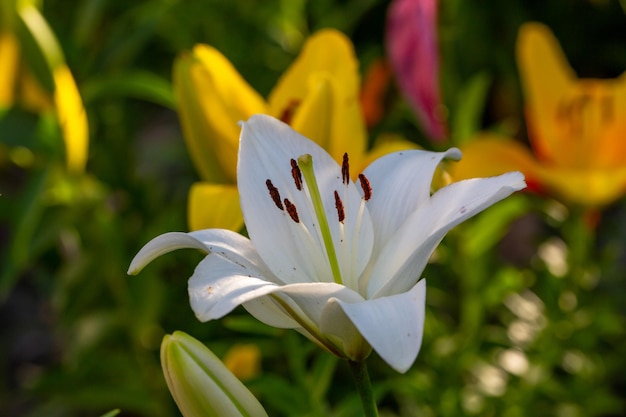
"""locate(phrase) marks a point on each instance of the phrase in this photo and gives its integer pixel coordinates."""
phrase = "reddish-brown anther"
(366, 187)
(274, 194)
(345, 169)
(291, 209)
(341, 215)
(296, 174)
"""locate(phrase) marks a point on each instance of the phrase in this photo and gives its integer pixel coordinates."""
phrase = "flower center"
(302, 172)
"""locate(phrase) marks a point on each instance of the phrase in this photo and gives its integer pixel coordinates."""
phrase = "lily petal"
(489, 155)
(212, 97)
(218, 285)
(72, 118)
(401, 184)
(68, 103)
(214, 206)
(411, 40)
(224, 243)
(312, 299)
(314, 116)
(9, 56)
(294, 250)
(594, 187)
(397, 344)
(402, 260)
(548, 81)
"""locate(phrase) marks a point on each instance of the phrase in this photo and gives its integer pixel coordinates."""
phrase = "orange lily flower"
(318, 96)
(577, 129)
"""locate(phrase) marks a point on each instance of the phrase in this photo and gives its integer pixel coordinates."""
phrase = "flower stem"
(364, 386)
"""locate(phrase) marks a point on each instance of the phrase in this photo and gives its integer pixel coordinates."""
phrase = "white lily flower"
(337, 261)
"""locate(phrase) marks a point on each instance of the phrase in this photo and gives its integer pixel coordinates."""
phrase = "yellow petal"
(214, 206)
(243, 360)
(547, 80)
(9, 56)
(589, 188)
(606, 122)
(489, 155)
(327, 61)
(314, 115)
(68, 104)
(72, 118)
(212, 97)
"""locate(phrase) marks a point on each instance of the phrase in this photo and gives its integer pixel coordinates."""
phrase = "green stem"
(579, 237)
(364, 386)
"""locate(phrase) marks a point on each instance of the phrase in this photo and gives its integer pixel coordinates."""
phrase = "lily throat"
(340, 250)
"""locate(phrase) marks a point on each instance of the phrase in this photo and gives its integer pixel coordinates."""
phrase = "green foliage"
(525, 303)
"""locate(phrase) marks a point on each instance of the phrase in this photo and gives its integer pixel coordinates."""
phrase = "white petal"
(161, 245)
(392, 325)
(312, 299)
(294, 251)
(218, 285)
(401, 262)
(223, 243)
(300, 306)
(401, 183)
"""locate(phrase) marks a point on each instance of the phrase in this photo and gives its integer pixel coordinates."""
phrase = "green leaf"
(30, 210)
(250, 325)
(487, 230)
(470, 104)
(136, 84)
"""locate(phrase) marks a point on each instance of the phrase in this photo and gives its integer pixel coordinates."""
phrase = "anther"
(274, 194)
(366, 187)
(341, 215)
(291, 209)
(296, 174)
(345, 169)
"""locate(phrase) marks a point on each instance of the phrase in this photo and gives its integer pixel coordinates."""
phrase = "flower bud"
(200, 383)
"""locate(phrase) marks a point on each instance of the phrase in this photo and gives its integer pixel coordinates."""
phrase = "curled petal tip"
(454, 153)
(161, 245)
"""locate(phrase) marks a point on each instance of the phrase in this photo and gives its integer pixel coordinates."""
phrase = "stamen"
(305, 162)
(341, 215)
(296, 174)
(366, 187)
(291, 209)
(274, 194)
(345, 169)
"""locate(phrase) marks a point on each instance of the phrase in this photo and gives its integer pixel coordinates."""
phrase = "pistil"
(305, 162)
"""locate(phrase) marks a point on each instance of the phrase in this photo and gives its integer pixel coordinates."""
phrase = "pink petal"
(411, 41)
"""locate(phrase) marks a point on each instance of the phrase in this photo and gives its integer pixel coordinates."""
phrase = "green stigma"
(305, 162)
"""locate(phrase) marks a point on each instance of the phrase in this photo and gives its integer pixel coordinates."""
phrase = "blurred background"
(526, 303)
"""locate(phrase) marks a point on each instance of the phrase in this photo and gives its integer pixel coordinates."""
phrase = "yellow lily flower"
(318, 96)
(17, 83)
(576, 128)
